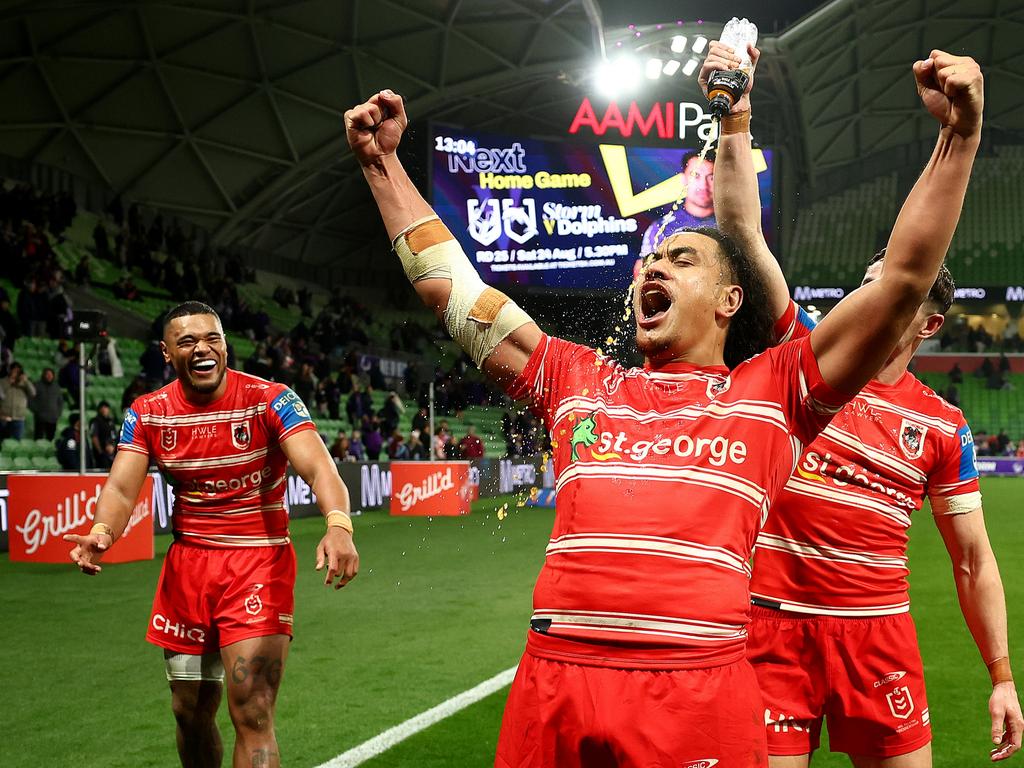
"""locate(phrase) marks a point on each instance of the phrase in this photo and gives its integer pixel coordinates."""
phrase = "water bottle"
(725, 87)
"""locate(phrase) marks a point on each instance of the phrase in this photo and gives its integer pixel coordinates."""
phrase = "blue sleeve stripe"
(968, 467)
(131, 421)
(290, 410)
(804, 319)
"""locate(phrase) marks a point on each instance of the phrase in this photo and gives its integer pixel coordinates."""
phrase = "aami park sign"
(662, 119)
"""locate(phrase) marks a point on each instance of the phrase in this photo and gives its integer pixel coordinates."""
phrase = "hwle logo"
(783, 723)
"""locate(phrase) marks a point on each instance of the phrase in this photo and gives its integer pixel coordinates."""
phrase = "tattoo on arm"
(258, 666)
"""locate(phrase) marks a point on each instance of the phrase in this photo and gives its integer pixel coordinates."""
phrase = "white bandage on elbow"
(478, 317)
(191, 666)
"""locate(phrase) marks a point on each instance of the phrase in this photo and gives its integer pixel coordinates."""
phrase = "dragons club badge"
(241, 435)
(912, 439)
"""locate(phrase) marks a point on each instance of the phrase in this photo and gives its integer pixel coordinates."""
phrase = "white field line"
(392, 736)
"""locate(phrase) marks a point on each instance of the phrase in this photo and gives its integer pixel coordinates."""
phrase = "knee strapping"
(191, 666)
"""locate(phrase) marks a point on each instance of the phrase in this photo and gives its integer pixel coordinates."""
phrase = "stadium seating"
(988, 410)
(836, 235)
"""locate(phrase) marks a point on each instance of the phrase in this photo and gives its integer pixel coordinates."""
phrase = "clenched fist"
(952, 89)
(375, 127)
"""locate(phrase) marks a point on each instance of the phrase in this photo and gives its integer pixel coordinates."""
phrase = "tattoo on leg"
(261, 758)
(239, 670)
(257, 666)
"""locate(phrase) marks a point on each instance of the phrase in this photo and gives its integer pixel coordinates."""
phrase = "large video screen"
(560, 215)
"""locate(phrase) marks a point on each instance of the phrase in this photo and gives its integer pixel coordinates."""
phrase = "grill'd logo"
(433, 485)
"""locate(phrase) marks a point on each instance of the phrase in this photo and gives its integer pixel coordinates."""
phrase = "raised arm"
(980, 592)
(113, 509)
(496, 333)
(856, 338)
(737, 202)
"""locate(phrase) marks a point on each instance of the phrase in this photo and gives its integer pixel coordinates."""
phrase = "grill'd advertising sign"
(42, 508)
(434, 488)
(554, 214)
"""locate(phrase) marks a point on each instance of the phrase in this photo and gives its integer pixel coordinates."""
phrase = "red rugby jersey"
(223, 459)
(835, 541)
(663, 479)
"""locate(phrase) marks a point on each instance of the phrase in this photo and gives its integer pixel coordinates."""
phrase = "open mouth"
(655, 301)
(203, 366)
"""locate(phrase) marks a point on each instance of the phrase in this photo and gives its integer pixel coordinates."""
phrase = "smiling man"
(223, 440)
(636, 648)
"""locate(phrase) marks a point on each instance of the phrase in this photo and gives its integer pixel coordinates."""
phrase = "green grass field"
(440, 605)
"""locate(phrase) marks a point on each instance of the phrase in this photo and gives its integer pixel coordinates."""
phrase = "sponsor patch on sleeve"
(968, 454)
(290, 409)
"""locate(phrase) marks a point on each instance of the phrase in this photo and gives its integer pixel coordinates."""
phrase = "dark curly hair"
(752, 328)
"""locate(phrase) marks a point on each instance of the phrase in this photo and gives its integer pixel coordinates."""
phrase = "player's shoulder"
(254, 389)
(920, 397)
(158, 401)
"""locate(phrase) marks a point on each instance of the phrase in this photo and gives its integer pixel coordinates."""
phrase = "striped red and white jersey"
(663, 477)
(224, 459)
(835, 541)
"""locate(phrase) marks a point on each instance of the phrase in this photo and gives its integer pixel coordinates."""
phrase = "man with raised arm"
(223, 439)
(636, 649)
(831, 637)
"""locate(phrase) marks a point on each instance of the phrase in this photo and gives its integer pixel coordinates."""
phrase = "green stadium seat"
(21, 463)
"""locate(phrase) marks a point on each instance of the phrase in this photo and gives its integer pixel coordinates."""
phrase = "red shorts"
(561, 715)
(209, 598)
(863, 675)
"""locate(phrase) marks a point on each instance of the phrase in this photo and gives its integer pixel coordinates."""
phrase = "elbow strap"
(478, 317)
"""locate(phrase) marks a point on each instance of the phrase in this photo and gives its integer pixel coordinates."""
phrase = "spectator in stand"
(9, 326)
(135, 389)
(421, 420)
(443, 448)
(154, 366)
(101, 242)
(305, 383)
(397, 449)
(333, 397)
(391, 412)
(471, 446)
(1002, 442)
(103, 436)
(83, 271)
(417, 451)
(377, 376)
(373, 440)
(67, 446)
(68, 377)
(1020, 448)
(59, 315)
(125, 289)
(984, 371)
(356, 447)
(952, 395)
(340, 447)
(320, 398)
(358, 405)
(15, 393)
(47, 405)
(956, 376)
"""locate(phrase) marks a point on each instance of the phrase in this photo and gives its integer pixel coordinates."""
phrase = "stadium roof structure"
(228, 113)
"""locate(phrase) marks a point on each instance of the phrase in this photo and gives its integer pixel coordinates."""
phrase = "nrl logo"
(901, 704)
(168, 438)
(912, 439)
